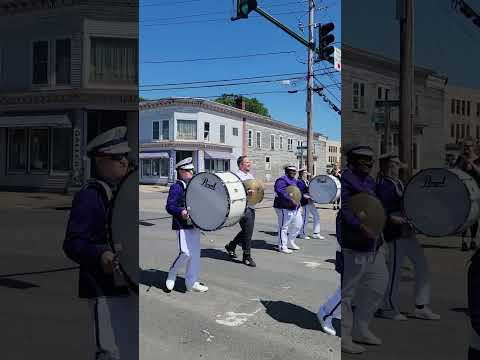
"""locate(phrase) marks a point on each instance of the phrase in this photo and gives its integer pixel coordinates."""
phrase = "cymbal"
(370, 211)
(258, 195)
(294, 193)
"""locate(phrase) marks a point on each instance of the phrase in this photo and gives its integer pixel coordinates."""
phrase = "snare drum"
(441, 202)
(215, 200)
(324, 189)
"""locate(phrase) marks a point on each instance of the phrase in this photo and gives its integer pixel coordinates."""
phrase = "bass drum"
(124, 227)
(441, 202)
(324, 189)
(215, 200)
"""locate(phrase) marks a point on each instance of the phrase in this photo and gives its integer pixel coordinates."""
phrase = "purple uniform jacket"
(390, 194)
(86, 241)
(175, 205)
(349, 234)
(302, 185)
(282, 200)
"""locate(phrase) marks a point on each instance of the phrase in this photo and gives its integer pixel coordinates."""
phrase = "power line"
(225, 80)
(218, 58)
(247, 94)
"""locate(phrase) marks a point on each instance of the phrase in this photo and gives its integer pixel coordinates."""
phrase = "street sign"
(337, 59)
(381, 103)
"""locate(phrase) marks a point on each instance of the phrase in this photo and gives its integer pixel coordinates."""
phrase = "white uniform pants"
(398, 250)
(332, 307)
(189, 245)
(289, 225)
(306, 211)
(365, 278)
(116, 327)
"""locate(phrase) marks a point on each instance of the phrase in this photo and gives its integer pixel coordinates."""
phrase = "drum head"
(124, 225)
(438, 202)
(324, 189)
(208, 201)
(370, 211)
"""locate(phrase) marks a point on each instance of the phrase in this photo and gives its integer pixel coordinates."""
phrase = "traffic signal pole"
(310, 74)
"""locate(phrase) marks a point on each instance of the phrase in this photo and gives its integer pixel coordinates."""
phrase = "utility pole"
(310, 73)
(405, 15)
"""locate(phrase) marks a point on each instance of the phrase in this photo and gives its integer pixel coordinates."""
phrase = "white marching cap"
(185, 164)
(291, 167)
(113, 141)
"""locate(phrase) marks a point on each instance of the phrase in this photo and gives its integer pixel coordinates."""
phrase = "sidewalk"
(34, 201)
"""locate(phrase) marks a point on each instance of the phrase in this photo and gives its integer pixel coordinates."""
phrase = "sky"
(178, 30)
(444, 40)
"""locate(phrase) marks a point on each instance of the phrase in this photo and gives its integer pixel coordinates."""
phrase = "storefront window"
(155, 167)
(217, 165)
(147, 167)
(62, 149)
(17, 150)
(39, 149)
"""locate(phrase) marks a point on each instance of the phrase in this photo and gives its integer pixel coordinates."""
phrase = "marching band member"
(336, 172)
(364, 272)
(187, 234)
(244, 237)
(288, 212)
(401, 243)
(114, 308)
(308, 207)
(469, 162)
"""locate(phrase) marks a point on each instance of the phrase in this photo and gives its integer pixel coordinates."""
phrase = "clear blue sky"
(444, 39)
(177, 30)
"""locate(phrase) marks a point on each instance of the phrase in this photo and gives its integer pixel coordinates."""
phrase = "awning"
(154, 155)
(35, 120)
(217, 155)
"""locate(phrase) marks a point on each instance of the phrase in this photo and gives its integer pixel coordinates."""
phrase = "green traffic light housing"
(244, 7)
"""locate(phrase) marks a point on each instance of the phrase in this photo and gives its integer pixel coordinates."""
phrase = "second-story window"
(272, 142)
(40, 62)
(281, 142)
(155, 130)
(259, 139)
(113, 60)
(452, 107)
(222, 134)
(165, 130)
(235, 131)
(187, 129)
(250, 138)
(358, 96)
(63, 59)
(206, 131)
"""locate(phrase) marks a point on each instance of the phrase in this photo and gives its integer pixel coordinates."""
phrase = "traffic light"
(325, 39)
(244, 7)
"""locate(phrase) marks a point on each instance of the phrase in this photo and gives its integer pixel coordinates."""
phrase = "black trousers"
(244, 237)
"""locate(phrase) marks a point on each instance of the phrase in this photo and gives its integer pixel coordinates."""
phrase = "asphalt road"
(267, 312)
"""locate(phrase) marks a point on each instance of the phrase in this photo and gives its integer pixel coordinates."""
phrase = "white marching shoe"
(293, 246)
(349, 347)
(366, 337)
(285, 250)
(318, 236)
(304, 237)
(326, 322)
(425, 314)
(198, 287)
(170, 283)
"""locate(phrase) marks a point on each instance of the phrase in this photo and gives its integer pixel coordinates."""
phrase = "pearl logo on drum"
(429, 183)
(207, 185)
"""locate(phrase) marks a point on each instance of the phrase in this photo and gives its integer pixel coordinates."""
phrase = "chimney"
(240, 103)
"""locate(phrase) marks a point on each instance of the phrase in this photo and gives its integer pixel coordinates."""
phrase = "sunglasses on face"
(115, 157)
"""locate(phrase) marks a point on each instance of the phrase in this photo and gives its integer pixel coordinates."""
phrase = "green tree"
(143, 99)
(251, 104)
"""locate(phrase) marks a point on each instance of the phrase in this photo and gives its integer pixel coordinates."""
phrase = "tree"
(251, 104)
(142, 99)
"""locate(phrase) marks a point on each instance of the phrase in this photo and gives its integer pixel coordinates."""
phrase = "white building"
(215, 135)
(333, 153)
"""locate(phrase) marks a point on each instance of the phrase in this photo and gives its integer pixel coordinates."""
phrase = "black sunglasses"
(116, 157)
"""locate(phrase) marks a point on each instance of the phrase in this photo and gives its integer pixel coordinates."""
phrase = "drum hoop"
(228, 198)
(457, 229)
(134, 286)
(331, 177)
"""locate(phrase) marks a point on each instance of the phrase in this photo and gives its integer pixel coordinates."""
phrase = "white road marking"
(311, 264)
(236, 319)
(210, 336)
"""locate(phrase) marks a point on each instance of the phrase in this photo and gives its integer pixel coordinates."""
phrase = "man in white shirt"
(244, 237)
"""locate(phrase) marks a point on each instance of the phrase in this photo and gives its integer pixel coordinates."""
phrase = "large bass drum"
(441, 202)
(215, 200)
(124, 228)
(324, 189)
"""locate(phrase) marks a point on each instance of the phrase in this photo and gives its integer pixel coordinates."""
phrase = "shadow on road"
(288, 313)
(16, 284)
(271, 233)
(461, 310)
(40, 272)
(262, 244)
(157, 278)
(217, 255)
(427, 246)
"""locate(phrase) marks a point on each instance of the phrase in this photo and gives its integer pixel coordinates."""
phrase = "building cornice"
(188, 145)
(224, 109)
(72, 98)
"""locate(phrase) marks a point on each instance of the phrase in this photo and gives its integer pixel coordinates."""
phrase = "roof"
(226, 109)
